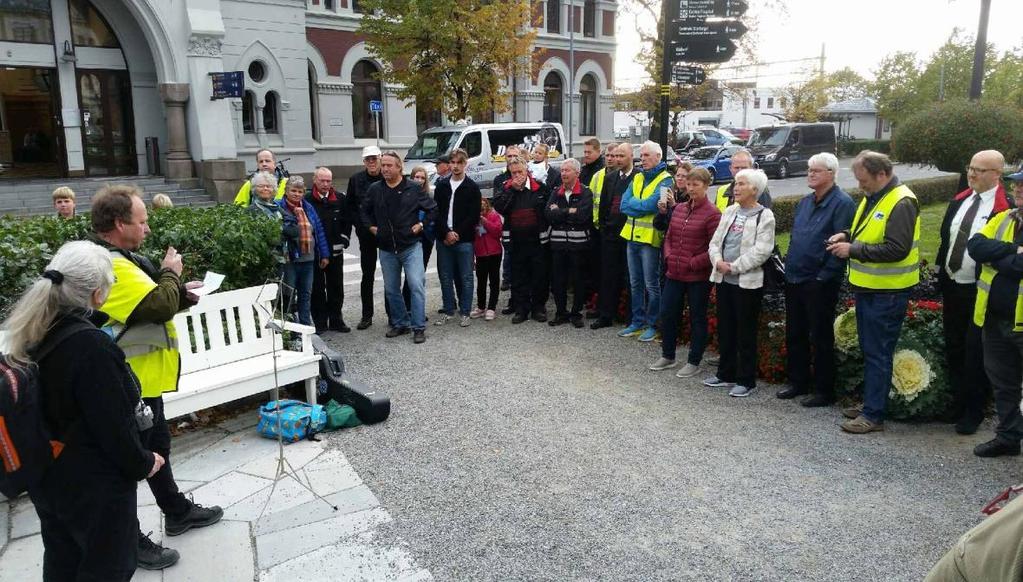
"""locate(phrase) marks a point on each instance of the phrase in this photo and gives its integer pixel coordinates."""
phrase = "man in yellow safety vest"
(265, 162)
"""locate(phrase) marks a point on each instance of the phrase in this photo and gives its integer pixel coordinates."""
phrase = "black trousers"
(569, 268)
(329, 293)
(613, 271)
(738, 317)
(964, 351)
(529, 287)
(592, 266)
(488, 269)
(162, 484)
(810, 335)
(1003, 361)
(368, 262)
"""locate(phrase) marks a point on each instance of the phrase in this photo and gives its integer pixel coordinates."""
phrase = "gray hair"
(653, 147)
(263, 178)
(85, 267)
(295, 181)
(756, 178)
(826, 159)
(572, 163)
(743, 152)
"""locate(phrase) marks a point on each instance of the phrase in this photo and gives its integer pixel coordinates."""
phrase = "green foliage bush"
(948, 134)
(852, 147)
(225, 238)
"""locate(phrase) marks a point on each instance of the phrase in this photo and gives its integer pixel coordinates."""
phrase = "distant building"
(857, 119)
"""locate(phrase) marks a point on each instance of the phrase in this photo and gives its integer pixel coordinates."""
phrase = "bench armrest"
(306, 331)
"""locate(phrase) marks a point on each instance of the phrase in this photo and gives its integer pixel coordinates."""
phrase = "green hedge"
(225, 238)
(927, 190)
(852, 147)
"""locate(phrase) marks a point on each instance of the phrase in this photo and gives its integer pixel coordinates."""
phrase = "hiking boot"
(560, 319)
(601, 323)
(663, 364)
(996, 448)
(197, 516)
(688, 371)
(519, 318)
(153, 556)
(395, 332)
(365, 323)
(862, 425)
(740, 391)
(852, 411)
(577, 321)
(419, 336)
(715, 382)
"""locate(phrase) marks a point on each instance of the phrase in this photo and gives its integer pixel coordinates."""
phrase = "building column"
(179, 162)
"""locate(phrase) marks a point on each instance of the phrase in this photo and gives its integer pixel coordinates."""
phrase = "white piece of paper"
(210, 283)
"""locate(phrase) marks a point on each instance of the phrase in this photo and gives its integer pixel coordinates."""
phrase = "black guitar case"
(371, 406)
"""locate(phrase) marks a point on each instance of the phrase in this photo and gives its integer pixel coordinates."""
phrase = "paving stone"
(5, 512)
(343, 562)
(349, 501)
(417, 576)
(297, 454)
(23, 560)
(230, 489)
(221, 552)
(224, 456)
(286, 495)
(24, 520)
(151, 520)
(306, 538)
(193, 442)
(244, 420)
(147, 576)
(327, 478)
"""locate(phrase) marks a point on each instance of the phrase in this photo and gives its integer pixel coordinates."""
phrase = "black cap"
(443, 159)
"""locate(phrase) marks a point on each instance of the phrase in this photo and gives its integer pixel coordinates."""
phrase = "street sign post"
(688, 75)
(693, 9)
(376, 107)
(693, 29)
(703, 51)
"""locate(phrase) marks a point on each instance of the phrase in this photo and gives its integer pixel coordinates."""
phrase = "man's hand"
(837, 238)
(157, 465)
(324, 263)
(840, 249)
(451, 238)
(189, 287)
(519, 181)
(373, 230)
(724, 268)
(417, 228)
(572, 210)
(554, 206)
(172, 261)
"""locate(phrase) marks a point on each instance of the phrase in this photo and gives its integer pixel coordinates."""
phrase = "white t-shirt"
(451, 204)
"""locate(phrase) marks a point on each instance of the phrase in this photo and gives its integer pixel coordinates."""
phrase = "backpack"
(299, 420)
(27, 445)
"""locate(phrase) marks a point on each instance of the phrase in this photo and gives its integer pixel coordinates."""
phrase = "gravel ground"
(535, 453)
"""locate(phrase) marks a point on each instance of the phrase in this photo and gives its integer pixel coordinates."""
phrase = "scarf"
(538, 170)
(305, 228)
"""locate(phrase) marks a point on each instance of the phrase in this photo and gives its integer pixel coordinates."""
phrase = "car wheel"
(713, 175)
(783, 170)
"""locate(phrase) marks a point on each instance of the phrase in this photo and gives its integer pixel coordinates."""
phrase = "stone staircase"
(29, 197)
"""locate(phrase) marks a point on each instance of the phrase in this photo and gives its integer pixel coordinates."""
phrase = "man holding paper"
(141, 306)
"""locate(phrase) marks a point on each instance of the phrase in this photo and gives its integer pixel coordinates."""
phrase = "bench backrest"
(227, 327)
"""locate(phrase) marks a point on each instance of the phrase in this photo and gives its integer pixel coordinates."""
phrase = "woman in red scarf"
(305, 249)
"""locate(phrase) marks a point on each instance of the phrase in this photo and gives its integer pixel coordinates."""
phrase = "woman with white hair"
(91, 404)
(742, 243)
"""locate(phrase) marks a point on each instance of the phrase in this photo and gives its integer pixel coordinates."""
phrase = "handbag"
(773, 268)
(298, 420)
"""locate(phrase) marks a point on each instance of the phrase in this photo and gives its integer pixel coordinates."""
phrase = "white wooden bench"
(228, 352)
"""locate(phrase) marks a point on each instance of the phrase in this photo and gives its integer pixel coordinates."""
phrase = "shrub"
(852, 147)
(226, 239)
(948, 134)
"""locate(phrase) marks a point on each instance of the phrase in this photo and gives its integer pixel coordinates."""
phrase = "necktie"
(955, 258)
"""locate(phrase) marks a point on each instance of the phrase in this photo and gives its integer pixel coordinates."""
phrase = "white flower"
(911, 374)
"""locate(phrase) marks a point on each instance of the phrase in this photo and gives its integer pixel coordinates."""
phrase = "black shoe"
(817, 401)
(577, 321)
(519, 318)
(996, 448)
(505, 286)
(508, 310)
(365, 323)
(153, 556)
(967, 425)
(340, 327)
(601, 323)
(539, 316)
(419, 336)
(196, 516)
(558, 320)
(790, 393)
(592, 314)
(396, 331)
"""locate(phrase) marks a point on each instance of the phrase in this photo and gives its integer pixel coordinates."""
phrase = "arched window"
(366, 88)
(271, 115)
(588, 105)
(248, 112)
(314, 109)
(88, 28)
(552, 90)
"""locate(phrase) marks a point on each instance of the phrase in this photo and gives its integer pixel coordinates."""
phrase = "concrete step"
(79, 186)
(83, 202)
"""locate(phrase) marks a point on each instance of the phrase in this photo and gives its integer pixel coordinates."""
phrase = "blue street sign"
(228, 85)
(376, 106)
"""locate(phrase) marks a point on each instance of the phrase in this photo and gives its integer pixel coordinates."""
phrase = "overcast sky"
(856, 33)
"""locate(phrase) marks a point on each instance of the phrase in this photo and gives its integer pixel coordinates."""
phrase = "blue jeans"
(673, 302)
(299, 276)
(644, 276)
(879, 319)
(409, 260)
(454, 265)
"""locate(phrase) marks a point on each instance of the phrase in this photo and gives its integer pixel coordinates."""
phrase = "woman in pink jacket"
(488, 261)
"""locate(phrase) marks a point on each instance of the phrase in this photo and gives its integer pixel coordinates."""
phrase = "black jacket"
(1002, 202)
(394, 211)
(1005, 258)
(466, 215)
(610, 219)
(588, 170)
(570, 231)
(358, 186)
(330, 210)
(523, 212)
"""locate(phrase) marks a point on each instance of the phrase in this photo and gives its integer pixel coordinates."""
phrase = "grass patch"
(930, 224)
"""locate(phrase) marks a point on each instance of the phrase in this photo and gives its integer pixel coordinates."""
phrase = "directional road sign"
(701, 29)
(692, 9)
(688, 75)
(702, 51)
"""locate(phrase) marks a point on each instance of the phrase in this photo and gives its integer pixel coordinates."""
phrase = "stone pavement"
(295, 536)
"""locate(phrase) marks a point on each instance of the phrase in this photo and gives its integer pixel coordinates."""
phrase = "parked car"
(671, 157)
(717, 159)
(742, 133)
(782, 150)
(689, 140)
(716, 136)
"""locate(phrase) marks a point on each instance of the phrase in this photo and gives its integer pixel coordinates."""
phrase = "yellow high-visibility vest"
(720, 200)
(244, 196)
(596, 186)
(1002, 228)
(642, 229)
(898, 275)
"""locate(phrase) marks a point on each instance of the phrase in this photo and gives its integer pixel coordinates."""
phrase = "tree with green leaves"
(894, 85)
(450, 55)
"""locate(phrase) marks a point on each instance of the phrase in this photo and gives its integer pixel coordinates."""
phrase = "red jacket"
(489, 243)
(687, 241)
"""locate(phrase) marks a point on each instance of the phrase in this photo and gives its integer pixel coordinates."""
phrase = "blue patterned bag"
(299, 420)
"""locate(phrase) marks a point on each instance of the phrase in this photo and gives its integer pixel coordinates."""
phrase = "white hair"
(85, 267)
(826, 159)
(263, 178)
(756, 178)
(654, 147)
(572, 163)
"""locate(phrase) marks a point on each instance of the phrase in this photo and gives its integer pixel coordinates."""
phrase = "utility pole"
(822, 60)
(980, 51)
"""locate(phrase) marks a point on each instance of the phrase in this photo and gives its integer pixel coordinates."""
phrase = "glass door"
(105, 101)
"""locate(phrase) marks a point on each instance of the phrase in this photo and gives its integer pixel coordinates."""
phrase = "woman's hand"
(724, 268)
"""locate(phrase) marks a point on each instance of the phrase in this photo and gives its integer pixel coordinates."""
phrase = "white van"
(485, 143)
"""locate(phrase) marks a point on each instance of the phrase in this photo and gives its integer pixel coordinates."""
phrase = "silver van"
(485, 143)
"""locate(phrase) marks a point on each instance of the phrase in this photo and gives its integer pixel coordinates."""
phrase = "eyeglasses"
(817, 171)
(975, 170)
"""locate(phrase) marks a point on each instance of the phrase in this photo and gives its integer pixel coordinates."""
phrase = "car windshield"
(430, 145)
(769, 136)
(705, 153)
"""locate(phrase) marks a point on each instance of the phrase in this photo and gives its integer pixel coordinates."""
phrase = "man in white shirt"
(957, 273)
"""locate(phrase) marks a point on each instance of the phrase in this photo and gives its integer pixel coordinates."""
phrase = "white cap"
(370, 151)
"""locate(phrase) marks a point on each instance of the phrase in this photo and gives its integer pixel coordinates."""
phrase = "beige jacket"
(755, 248)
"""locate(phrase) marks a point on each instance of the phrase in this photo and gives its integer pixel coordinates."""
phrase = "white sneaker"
(715, 382)
(740, 391)
(663, 364)
(443, 318)
(465, 321)
(490, 315)
(476, 313)
(688, 371)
